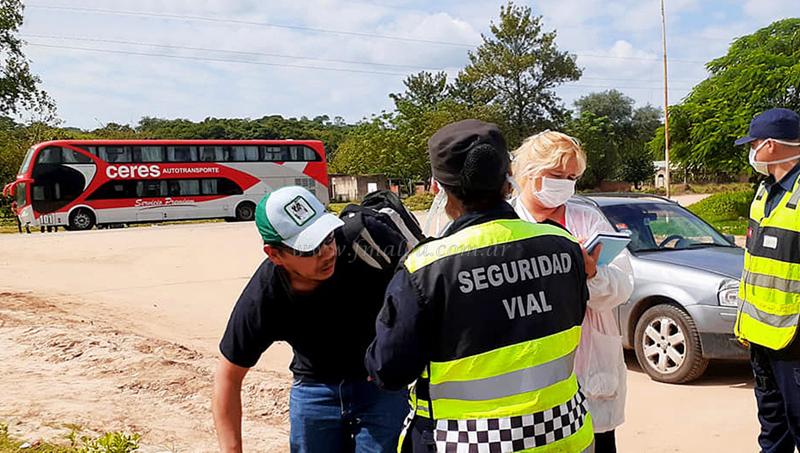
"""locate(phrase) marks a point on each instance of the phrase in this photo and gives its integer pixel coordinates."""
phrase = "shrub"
(419, 202)
(724, 206)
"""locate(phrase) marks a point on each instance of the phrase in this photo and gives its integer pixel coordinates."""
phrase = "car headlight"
(728, 294)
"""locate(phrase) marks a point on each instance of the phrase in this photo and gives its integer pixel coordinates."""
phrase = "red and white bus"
(82, 183)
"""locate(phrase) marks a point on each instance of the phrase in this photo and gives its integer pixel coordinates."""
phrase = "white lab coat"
(612, 286)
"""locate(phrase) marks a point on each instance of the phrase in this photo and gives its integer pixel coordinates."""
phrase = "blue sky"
(105, 61)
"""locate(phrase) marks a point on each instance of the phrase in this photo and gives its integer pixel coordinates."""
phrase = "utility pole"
(666, 98)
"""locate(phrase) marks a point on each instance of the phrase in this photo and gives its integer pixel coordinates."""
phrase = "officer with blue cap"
(769, 312)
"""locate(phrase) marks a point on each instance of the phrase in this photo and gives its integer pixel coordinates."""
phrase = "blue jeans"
(352, 416)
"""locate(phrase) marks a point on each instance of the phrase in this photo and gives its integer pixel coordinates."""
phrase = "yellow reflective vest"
(770, 285)
(509, 299)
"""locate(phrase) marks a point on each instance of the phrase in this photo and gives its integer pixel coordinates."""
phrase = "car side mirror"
(730, 238)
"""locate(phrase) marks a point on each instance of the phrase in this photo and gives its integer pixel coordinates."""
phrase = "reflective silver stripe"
(767, 318)
(792, 203)
(771, 281)
(514, 383)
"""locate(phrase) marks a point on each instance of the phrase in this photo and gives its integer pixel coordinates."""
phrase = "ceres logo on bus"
(133, 171)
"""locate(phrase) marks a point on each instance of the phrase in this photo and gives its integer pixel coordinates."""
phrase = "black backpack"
(385, 207)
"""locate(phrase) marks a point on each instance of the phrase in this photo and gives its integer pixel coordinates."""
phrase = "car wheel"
(667, 345)
(81, 219)
(246, 211)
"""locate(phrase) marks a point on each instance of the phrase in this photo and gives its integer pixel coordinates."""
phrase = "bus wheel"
(246, 211)
(81, 219)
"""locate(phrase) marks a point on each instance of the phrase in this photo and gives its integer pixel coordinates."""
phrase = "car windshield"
(662, 226)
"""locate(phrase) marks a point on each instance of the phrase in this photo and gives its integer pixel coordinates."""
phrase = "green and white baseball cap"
(294, 217)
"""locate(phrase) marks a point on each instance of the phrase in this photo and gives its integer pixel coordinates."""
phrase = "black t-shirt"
(329, 329)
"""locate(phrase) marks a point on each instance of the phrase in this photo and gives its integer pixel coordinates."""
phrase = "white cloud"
(771, 9)
(618, 43)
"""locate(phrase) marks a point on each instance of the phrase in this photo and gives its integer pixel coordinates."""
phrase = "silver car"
(686, 274)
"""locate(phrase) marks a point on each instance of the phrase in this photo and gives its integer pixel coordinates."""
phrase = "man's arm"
(401, 348)
(226, 404)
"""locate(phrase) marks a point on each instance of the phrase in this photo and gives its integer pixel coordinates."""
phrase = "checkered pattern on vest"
(509, 434)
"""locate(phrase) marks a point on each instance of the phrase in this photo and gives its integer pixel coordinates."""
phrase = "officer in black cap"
(485, 319)
(769, 312)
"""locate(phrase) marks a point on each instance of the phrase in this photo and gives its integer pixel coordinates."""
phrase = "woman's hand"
(590, 260)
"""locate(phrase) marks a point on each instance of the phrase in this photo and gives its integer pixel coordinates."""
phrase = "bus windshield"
(27, 162)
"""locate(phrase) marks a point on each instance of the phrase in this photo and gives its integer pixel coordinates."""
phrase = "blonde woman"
(546, 167)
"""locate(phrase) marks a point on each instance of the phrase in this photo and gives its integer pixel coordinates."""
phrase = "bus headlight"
(728, 294)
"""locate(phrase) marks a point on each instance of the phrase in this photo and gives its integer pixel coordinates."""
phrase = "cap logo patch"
(300, 211)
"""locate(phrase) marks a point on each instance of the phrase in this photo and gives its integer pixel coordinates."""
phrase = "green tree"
(612, 104)
(19, 88)
(517, 69)
(638, 167)
(759, 72)
(597, 136)
(622, 153)
(424, 91)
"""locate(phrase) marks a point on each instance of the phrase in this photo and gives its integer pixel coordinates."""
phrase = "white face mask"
(762, 167)
(437, 220)
(555, 192)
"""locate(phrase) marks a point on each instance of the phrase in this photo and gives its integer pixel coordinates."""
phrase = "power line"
(318, 30)
(246, 22)
(212, 59)
(283, 65)
(239, 52)
(263, 54)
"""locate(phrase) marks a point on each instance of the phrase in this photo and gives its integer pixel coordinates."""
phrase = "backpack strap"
(411, 239)
(361, 241)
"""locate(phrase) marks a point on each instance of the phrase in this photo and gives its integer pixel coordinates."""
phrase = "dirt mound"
(59, 368)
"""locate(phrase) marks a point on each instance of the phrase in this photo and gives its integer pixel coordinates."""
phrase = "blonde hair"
(545, 151)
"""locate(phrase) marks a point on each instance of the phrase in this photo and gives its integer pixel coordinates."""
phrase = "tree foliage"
(516, 68)
(19, 88)
(759, 72)
(614, 135)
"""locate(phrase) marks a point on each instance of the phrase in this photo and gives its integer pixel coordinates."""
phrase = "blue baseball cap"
(779, 124)
(294, 217)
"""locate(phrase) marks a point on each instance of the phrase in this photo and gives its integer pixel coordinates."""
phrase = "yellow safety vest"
(770, 285)
(523, 395)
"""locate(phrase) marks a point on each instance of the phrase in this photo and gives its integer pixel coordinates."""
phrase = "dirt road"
(118, 329)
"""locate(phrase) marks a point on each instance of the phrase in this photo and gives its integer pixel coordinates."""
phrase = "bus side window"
(147, 153)
(151, 189)
(50, 155)
(211, 154)
(73, 157)
(271, 153)
(245, 153)
(209, 186)
(182, 153)
(115, 154)
(228, 187)
(309, 154)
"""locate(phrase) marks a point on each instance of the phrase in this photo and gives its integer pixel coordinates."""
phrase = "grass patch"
(336, 208)
(418, 202)
(74, 442)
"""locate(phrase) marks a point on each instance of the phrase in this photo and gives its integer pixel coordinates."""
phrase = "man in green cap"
(313, 293)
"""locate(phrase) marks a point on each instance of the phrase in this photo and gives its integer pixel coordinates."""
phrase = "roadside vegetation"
(73, 442)
(727, 212)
